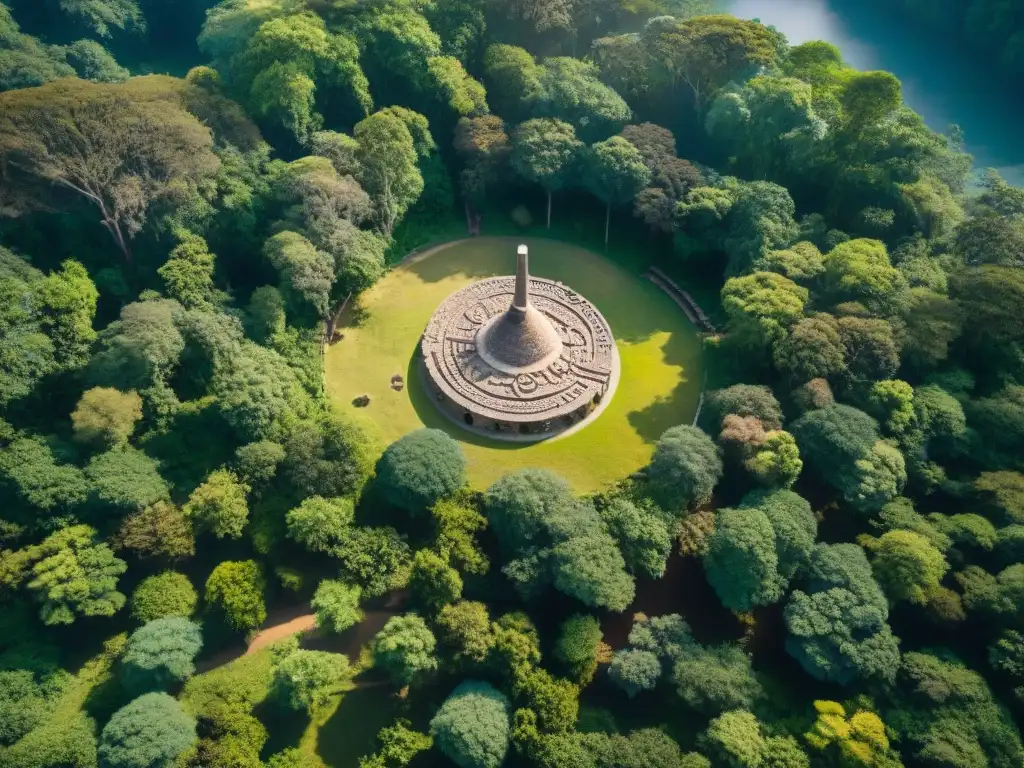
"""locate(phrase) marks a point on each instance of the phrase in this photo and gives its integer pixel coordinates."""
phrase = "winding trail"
(265, 637)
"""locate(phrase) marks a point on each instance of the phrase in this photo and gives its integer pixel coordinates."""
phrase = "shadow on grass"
(679, 405)
(285, 727)
(351, 731)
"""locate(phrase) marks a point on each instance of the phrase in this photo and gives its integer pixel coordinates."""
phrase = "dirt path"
(277, 632)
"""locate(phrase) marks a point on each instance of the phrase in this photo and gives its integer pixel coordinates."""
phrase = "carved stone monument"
(519, 358)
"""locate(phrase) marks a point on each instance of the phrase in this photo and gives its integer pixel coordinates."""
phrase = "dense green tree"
(614, 171)
(256, 463)
(105, 416)
(545, 151)
(813, 349)
(837, 637)
(164, 594)
(635, 670)
(420, 468)
(303, 680)
(330, 457)
(741, 561)
(377, 559)
(159, 531)
(234, 592)
(892, 402)
(907, 566)
(188, 273)
(456, 526)
(142, 119)
(161, 653)
(36, 478)
(152, 731)
(72, 575)
(684, 469)
(483, 144)
(126, 479)
(337, 605)
(642, 535)
(716, 679)
(472, 726)
(219, 505)
(859, 739)
(143, 345)
(742, 400)
(306, 273)
(387, 167)
(1004, 492)
(577, 647)
(465, 628)
(404, 648)
(734, 738)
(569, 90)
(761, 221)
(433, 583)
(762, 307)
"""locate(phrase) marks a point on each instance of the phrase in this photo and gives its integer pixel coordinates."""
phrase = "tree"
(144, 345)
(219, 505)
(892, 402)
(859, 738)
(101, 15)
(336, 605)
(708, 52)
(555, 701)
(742, 400)
(456, 525)
(161, 653)
(318, 523)
(420, 468)
(760, 221)
(931, 322)
(404, 648)
(34, 476)
(735, 739)
(465, 628)
(72, 575)
(433, 583)
(164, 594)
(388, 171)
(614, 171)
(330, 457)
(716, 679)
(483, 144)
(776, 460)
(642, 535)
(832, 441)
(907, 566)
(577, 647)
(871, 348)
(304, 680)
(569, 90)
(684, 469)
(545, 151)
(634, 671)
(520, 504)
(234, 592)
(152, 731)
(762, 307)
(1004, 491)
(472, 726)
(188, 273)
(160, 530)
(837, 637)
(591, 568)
(124, 148)
(860, 270)
(306, 272)
(741, 561)
(256, 463)
(105, 416)
(813, 349)
(127, 479)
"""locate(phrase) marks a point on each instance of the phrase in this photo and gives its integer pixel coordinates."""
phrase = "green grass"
(659, 351)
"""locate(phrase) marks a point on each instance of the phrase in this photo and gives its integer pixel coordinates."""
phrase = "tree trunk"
(607, 223)
(549, 209)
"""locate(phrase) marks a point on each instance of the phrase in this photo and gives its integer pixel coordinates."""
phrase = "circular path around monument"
(658, 348)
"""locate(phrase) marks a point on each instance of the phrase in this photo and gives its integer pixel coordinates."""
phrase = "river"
(940, 81)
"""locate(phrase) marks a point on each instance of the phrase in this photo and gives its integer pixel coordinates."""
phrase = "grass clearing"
(659, 350)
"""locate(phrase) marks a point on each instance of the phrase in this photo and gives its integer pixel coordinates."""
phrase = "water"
(940, 81)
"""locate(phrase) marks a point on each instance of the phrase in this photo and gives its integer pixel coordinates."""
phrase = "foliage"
(420, 468)
(432, 582)
(859, 739)
(404, 648)
(105, 416)
(159, 531)
(164, 594)
(684, 469)
(219, 505)
(161, 653)
(472, 726)
(336, 605)
(303, 680)
(234, 592)
(152, 730)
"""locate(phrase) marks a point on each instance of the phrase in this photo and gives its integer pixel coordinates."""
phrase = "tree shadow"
(680, 404)
(285, 727)
(351, 732)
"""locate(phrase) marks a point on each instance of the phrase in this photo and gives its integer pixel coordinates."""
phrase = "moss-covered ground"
(659, 349)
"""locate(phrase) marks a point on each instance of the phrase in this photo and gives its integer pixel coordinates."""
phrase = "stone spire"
(522, 297)
(521, 338)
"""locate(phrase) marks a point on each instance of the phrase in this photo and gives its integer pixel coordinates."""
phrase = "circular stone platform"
(519, 358)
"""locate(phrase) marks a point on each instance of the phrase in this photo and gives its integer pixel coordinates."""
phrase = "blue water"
(942, 82)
